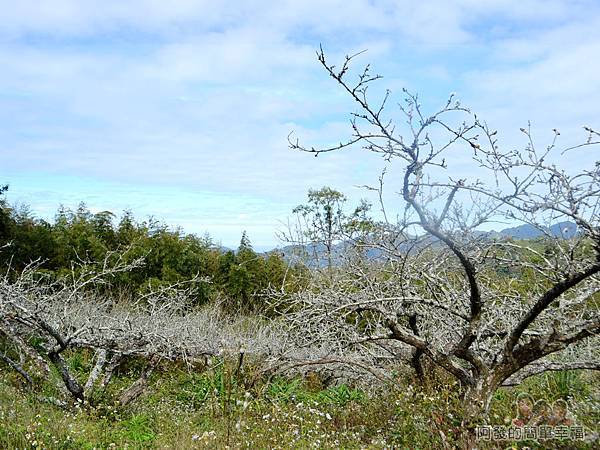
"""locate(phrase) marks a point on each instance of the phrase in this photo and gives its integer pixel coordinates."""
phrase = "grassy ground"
(213, 409)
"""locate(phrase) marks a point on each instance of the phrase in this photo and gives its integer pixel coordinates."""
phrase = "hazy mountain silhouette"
(314, 254)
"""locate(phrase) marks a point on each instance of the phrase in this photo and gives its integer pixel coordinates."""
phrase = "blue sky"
(181, 109)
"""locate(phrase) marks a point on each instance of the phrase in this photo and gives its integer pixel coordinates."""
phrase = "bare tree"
(69, 314)
(489, 311)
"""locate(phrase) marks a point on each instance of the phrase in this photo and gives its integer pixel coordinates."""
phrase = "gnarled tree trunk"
(476, 407)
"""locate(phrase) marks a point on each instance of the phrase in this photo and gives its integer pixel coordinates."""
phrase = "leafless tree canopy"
(490, 311)
(68, 314)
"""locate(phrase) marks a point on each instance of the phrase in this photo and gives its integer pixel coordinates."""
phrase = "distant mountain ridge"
(564, 229)
(316, 254)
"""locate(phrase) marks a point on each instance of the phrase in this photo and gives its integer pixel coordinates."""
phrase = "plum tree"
(480, 307)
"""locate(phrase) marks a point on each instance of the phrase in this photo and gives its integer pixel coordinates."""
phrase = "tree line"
(236, 278)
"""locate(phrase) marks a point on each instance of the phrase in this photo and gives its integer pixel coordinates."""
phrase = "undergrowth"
(223, 406)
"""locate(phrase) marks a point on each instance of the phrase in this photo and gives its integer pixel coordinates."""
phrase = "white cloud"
(550, 78)
(201, 95)
(434, 20)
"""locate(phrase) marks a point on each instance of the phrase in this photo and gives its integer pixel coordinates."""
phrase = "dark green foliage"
(248, 274)
(171, 256)
(5, 219)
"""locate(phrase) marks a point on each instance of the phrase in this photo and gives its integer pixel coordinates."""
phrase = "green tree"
(325, 223)
(244, 275)
(171, 256)
(6, 222)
